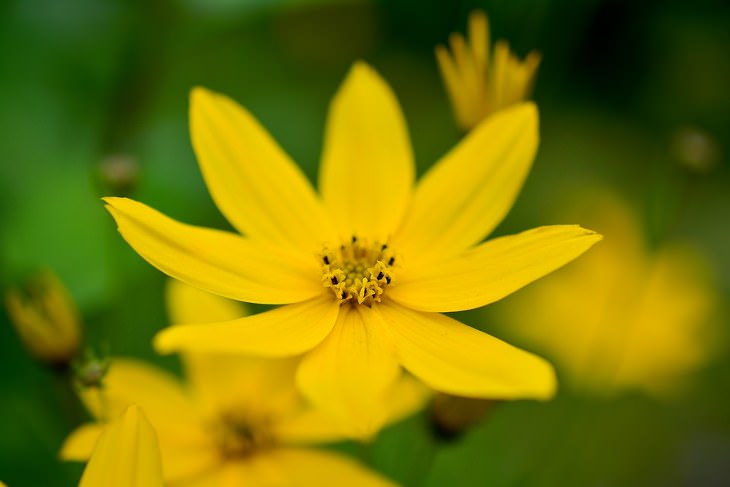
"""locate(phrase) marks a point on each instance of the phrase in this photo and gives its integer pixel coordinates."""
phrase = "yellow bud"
(46, 319)
(481, 79)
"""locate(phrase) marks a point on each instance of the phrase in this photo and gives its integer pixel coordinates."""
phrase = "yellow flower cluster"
(359, 275)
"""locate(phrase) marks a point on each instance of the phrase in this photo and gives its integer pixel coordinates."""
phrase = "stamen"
(358, 272)
(240, 437)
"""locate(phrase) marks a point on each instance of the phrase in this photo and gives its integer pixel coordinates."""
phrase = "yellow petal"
(407, 397)
(186, 447)
(367, 164)
(451, 357)
(492, 270)
(470, 190)
(219, 262)
(126, 455)
(350, 373)
(135, 382)
(306, 467)
(310, 426)
(225, 382)
(188, 304)
(255, 184)
(288, 330)
(80, 443)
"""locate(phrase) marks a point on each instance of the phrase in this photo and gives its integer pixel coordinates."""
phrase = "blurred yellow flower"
(236, 420)
(477, 84)
(623, 317)
(46, 319)
(126, 454)
(364, 272)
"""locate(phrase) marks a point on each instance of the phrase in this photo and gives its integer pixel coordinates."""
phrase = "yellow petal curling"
(492, 270)
(126, 455)
(220, 262)
(367, 168)
(254, 183)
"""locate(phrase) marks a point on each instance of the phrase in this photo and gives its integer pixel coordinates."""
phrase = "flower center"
(239, 436)
(358, 272)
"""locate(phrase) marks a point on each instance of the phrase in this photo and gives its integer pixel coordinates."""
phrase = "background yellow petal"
(407, 397)
(350, 373)
(126, 455)
(223, 382)
(451, 357)
(80, 443)
(186, 446)
(284, 331)
(220, 262)
(265, 387)
(308, 467)
(492, 270)
(367, 163)
(310, 426)
(470, 190)
(255, 184)
(135, 382)
(188, 304)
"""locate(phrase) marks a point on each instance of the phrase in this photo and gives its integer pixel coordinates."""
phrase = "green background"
(86, 79)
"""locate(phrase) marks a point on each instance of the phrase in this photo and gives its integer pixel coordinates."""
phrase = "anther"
(334, 280)
(326, 260)
(391, 261)
(387, 279)
(380, 275)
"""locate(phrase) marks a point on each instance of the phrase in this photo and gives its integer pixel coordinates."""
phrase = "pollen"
(359, 271)
(240, 436)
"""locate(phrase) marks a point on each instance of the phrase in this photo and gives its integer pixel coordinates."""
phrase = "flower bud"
(46, 319)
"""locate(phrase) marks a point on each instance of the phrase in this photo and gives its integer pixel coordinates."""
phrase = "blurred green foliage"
(84, 80)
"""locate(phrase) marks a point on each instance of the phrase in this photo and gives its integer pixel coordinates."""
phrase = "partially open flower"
(479, 81)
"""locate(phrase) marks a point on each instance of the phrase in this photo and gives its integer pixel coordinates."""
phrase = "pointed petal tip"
(360, 74)
(198, 93)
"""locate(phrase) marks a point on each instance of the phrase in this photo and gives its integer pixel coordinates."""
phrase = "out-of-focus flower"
(236, 421)
(126, 454)
(479, 81)
(623, 317)
(46, 319)
(365, 271)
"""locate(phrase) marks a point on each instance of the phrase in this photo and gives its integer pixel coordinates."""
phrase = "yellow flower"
(478, 85)
(236, 420)
(364, 272)
(126, 454)
(46, 319)
(623, 317)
